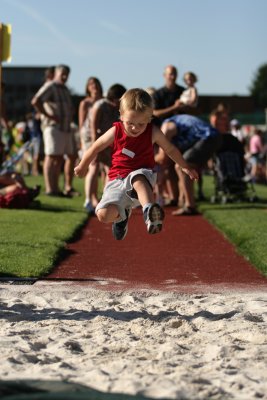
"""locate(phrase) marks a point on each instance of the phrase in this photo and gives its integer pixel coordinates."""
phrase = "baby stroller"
(231, 182)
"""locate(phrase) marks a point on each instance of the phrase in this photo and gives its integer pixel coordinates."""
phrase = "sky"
(131, 41)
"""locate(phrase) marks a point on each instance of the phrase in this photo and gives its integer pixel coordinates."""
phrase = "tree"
(258, 88)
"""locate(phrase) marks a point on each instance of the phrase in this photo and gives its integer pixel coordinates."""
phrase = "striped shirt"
(57, 101)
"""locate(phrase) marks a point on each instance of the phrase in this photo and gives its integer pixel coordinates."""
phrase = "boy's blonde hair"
(136, 100)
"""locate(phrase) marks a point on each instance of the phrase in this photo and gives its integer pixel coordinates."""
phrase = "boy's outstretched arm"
(100, 144)
(173, 152)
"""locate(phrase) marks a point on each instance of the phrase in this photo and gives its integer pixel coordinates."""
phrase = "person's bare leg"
(52, 168)
(90, 184)
(69, 171)
(9, 189)
(172, 184)
(186, 186)
(189, 192)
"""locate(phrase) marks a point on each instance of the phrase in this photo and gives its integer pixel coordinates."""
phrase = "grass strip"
(242, 223)
(32, 240)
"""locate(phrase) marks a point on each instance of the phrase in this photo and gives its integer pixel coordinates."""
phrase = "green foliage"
(258, 87)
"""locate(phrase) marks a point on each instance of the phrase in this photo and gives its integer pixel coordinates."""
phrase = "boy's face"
(134, 122)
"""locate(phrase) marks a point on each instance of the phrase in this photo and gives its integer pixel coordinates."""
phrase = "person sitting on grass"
(14, 193)
(131, 175)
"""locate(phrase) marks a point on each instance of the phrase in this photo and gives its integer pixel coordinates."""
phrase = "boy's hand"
(80, 171)
(191, 173)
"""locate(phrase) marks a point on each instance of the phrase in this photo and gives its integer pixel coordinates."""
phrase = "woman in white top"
(94, 92)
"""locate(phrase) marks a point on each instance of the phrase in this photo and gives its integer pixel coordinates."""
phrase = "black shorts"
(202, 151)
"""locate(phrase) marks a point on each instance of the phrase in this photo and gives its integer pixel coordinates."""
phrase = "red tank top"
(129, 153)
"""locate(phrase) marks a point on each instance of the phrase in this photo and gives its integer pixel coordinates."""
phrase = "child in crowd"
(131, 175)
(189, 97)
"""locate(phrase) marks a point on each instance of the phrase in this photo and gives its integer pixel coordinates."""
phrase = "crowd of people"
(58, 145)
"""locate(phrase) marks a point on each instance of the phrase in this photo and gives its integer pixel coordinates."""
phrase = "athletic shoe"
(120, 229)
(153, 217)
(89, 208)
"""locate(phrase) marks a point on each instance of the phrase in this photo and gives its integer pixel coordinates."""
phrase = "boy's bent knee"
(102, 215)
(108, 214)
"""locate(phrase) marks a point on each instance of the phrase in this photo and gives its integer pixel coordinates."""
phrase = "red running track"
(188, 255)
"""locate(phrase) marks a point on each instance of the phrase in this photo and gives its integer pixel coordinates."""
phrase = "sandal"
(185, 211)
(71, 193)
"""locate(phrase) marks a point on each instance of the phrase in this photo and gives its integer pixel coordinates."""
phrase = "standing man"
(53, 101)
(166, 104)
(166, 96)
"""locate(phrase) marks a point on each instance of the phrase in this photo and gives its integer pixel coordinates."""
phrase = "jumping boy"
(131, 175)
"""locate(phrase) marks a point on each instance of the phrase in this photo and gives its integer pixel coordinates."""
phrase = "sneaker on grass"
(153, 217)
(89, 208)
(120, 229)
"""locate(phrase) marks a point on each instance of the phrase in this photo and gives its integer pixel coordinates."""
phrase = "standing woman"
(94, 92)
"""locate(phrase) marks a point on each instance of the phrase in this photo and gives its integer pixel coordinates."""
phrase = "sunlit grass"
(243, 223)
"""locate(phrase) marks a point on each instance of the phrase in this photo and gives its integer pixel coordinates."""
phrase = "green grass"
(243, 223)
(32, 241)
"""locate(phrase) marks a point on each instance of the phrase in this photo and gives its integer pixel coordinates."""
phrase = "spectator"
(104, 113)
(198, 141)
(49, 73)
(189, 97)
(219, 118)
(166, 103)
(256, 155)
(14, 192)
(53, 101)
(39, 128)
(94, 92)
(165, 98)
(237, 131)
(37, 152)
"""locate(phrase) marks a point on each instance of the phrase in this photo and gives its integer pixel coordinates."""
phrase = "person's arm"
(194, 97)
(167, 147)
(38, 102)
(165, 112)
(100, 144)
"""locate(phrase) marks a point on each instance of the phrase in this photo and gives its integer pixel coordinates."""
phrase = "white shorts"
(120, 191)
(58, 143)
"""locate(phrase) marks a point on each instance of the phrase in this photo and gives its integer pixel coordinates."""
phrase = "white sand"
(158, 344)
